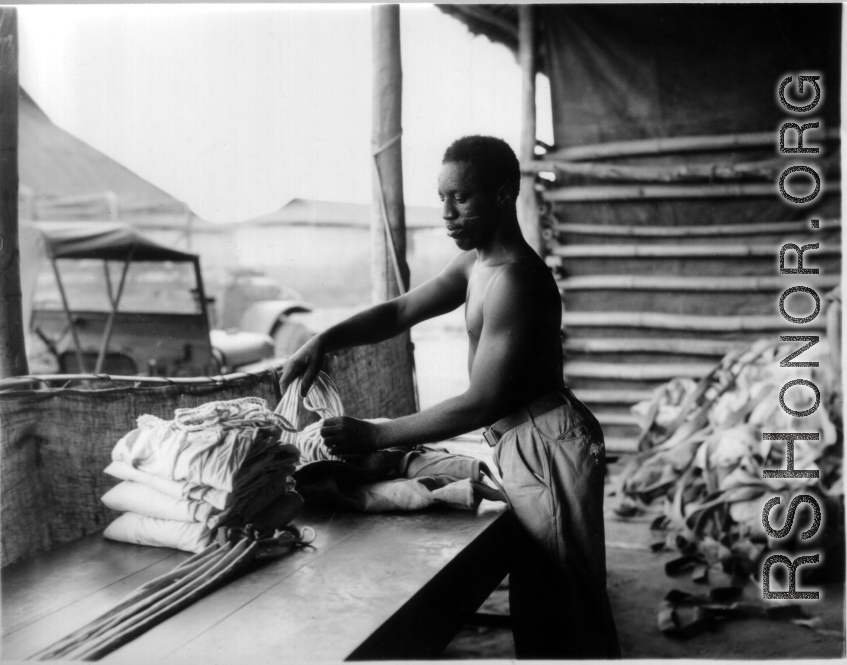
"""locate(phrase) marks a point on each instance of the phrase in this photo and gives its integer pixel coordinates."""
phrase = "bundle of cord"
(164, 596)
(220, 464)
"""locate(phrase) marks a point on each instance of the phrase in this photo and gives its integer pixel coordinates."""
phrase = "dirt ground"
(637, 581)
(637, 584)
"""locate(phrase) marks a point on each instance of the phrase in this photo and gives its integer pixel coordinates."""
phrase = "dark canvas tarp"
(109, 242)
(631, 72)
(621, 72)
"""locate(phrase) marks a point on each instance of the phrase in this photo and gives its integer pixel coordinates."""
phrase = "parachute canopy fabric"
(105, 241)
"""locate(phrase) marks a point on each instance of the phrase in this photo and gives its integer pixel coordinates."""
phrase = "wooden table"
(373, 586)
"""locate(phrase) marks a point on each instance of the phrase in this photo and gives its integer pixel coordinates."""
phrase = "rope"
(68, 378)
(244, 411)
(166, 595)
(390, 142)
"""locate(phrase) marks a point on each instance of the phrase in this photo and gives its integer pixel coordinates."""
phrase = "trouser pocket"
(523, 461)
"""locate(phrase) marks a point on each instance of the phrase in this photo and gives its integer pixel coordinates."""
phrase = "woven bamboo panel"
(375, 381)
(55, 445)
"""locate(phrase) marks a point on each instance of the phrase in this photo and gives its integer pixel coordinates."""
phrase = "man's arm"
(441, 294)
(508, 331)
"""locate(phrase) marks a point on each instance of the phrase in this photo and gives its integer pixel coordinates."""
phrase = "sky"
(236, 109)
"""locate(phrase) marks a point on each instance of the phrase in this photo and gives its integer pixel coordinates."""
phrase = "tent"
(62, 177)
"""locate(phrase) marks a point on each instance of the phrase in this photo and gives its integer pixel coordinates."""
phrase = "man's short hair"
(495, 162)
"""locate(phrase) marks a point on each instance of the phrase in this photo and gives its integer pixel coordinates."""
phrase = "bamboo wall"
(661, 283)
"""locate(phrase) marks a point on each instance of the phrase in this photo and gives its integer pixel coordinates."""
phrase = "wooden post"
(12, 348)
(527, 204)
(389, 271)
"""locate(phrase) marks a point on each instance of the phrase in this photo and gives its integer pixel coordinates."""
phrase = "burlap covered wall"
(55, 445)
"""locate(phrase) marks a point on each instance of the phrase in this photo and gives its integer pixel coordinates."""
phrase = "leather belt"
(533, 410)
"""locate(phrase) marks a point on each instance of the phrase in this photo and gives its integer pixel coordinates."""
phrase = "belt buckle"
(490, 437)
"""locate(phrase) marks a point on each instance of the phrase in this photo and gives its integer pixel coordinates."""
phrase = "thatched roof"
(497, 22)
(331, 213)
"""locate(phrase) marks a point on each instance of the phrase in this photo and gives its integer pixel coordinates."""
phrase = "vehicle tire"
(289, 336)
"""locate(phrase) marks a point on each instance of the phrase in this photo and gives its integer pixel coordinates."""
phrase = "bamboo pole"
(664, 146)
(692, 322)
(676, 251)
(669, 283)
(762, 170)
(13, 360)
(612, 395)
(619, 444)
(699, 231)
(527, 204)
(619, 419)
(636, 371)
(668, 192)
(680, 346)
(389, 271)
(22, 381)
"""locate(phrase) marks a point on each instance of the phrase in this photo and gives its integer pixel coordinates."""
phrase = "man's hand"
(348, 436)
(306, 363)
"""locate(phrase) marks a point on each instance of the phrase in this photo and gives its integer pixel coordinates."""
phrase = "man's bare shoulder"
(524, 282)
(461, 265)
(526, 271)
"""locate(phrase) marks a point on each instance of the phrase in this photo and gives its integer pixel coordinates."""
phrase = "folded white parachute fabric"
(210, 445)
(143, 530)
(132, 497)
(216, 465)
(176, 489)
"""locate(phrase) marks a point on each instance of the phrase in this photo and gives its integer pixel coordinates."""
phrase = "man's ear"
(504, 196)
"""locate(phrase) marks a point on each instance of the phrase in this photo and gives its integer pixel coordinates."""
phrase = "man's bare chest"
(479, 285)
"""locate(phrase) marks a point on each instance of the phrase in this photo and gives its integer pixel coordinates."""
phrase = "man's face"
(469, 210)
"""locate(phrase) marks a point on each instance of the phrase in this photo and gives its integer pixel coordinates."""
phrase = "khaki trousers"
(552, 468)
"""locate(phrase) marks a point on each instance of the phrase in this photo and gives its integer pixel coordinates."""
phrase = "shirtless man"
(547, 445)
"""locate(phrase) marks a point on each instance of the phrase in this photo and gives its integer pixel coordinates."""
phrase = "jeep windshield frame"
(110, 242)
